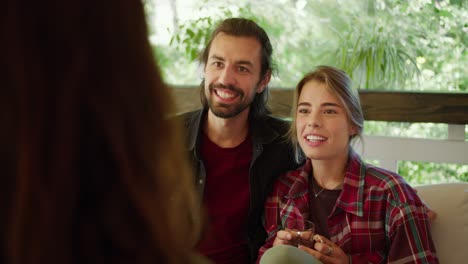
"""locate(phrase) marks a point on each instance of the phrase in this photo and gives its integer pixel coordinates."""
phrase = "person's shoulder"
(290, 177)
(187, 115)
(392, 183)
(187, 118)
(382, 177)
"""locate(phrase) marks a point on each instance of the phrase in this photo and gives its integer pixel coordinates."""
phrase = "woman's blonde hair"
(339, 84)
(93, 171)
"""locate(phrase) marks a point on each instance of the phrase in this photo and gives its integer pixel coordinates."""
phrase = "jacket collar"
(262, 132)
(351, 199)
(300, 184)
(194, 128)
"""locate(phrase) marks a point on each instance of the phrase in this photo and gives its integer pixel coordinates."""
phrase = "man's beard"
(227, 110)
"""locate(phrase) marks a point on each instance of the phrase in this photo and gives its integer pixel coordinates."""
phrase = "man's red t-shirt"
(226, 200)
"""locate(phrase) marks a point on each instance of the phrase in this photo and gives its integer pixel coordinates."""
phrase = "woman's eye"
(329, 111)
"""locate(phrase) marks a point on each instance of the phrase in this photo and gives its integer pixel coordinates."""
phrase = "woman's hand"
(282, 238)
(327, 251)
(432, 215)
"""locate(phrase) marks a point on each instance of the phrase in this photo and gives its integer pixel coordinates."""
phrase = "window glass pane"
(417, 45)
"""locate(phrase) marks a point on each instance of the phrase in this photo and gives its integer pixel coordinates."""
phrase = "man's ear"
(264, 82)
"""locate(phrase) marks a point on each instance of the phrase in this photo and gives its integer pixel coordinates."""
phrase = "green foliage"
(420, 172)
(172, 65)
(412, 45)
(417, 173)
(441, 47)
(426, 173)
(408, 130)
(191, 37)
(416, 45)
(373, 58)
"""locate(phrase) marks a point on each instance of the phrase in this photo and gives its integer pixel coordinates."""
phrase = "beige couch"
(450, 228)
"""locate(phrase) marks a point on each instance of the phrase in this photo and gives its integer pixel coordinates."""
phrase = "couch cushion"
(450, 228)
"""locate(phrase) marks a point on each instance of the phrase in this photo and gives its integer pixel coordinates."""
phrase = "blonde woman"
(362, 213)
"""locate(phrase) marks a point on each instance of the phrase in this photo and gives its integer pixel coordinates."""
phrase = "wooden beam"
(187, 99)
(450, 108)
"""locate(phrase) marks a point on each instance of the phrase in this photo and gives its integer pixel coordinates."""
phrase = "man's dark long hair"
(241, 27)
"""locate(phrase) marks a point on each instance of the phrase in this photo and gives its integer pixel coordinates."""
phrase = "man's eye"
(243, 69)
(302, 111)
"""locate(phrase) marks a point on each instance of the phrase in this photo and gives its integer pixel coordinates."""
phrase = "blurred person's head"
(237, 69)
(92, 169)
(327, 114)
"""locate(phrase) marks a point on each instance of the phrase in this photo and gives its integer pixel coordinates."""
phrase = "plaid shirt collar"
(351, 199)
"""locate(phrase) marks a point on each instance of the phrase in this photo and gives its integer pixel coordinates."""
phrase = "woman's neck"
(329, 174)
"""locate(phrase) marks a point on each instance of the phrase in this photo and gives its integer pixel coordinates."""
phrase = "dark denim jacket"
(272, 155)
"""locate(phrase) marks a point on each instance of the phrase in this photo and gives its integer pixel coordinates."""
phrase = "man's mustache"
(228, 87)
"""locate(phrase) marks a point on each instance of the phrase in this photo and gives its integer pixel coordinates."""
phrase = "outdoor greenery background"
(416, 45)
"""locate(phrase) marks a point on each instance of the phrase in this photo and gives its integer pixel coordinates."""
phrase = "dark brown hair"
(93, 171)
(242, 27)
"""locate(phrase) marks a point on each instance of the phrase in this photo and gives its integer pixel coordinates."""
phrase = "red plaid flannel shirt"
(378, 218)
